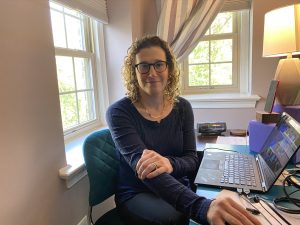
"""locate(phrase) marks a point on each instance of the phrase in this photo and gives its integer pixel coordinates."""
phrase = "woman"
(153, 129)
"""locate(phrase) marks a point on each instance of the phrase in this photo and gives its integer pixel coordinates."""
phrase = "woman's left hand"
(152, 164)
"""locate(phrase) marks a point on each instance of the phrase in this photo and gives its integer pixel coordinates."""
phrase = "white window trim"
(85, 127)
(93, 34)
(75, 169)
(219, 101)
(244, 52)
(186, 89)
(92, 8)
(101, 73)
(100, 81)
(243, 99)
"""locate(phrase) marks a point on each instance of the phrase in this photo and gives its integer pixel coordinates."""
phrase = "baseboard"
(84, 221)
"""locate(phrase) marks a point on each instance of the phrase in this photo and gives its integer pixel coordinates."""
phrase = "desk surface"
(212, 192)
(202, 140)
(267, 216)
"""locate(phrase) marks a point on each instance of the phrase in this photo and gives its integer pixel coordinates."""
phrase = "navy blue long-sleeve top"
(173, 137)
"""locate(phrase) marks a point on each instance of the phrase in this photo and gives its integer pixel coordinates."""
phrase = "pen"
(275, 211)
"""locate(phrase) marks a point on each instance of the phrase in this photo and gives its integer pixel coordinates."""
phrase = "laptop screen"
(281, 144)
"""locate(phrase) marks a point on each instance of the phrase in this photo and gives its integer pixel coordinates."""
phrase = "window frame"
(90, 53)
(240, 60)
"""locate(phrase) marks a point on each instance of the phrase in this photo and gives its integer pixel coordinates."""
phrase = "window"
(75, 64)
(216, 64)
(81, 73)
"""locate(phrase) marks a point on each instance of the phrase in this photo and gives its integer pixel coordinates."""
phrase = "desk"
(293, 219)
(275, 191)
(202, 140)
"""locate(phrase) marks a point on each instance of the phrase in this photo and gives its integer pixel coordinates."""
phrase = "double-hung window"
(76, 72)
(220, 61)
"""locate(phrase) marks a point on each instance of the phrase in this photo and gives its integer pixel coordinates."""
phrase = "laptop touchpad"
(210, 164)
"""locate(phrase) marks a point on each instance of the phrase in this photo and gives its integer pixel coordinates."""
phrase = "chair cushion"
(112, 217)
(102, 165)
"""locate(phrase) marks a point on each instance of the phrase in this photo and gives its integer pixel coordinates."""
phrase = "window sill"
(72, 174)
(75, 169)
(214, 101)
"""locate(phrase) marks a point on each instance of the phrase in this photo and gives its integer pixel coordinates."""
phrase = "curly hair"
(129, 75)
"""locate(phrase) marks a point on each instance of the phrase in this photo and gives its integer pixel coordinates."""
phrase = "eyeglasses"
(159, 66)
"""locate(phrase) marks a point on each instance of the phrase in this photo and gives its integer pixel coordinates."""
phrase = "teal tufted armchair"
(102, 168)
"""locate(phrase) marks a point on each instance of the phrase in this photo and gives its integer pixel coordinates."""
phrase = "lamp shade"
(282, 31)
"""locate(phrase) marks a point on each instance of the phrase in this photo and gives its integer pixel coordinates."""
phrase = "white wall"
(32, 145)
(128, 19)
(117, 40)
(263, 69)
(144, 18)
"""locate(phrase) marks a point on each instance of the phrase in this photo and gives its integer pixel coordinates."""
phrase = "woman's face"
(153, 82)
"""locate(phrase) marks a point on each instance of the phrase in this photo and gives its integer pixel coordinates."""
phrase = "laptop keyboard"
(238, 169)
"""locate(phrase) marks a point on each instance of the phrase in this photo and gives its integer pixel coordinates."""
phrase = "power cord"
(289, 181)
(256, 199)
(274, 210)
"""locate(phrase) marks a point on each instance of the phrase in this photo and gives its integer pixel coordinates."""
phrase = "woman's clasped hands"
(152, 164)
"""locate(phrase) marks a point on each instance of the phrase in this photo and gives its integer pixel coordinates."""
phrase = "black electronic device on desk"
(211, 129)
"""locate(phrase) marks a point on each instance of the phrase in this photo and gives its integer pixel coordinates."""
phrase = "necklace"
(152, 116)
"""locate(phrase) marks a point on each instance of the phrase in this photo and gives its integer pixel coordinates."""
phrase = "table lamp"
(282, 38)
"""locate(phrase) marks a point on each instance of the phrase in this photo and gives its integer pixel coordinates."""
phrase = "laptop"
(246, 172)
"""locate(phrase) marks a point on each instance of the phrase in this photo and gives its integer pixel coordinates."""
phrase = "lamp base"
(265, 117)
(288, 75)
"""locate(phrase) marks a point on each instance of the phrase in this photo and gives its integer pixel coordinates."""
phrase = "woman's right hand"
(224, 210)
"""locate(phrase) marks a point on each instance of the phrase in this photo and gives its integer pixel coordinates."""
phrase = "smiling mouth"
(152, 81)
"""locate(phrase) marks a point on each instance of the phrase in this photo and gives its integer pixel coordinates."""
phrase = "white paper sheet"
(230, 140)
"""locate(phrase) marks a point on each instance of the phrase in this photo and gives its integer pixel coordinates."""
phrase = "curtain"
(93, 8)
(183, 22)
